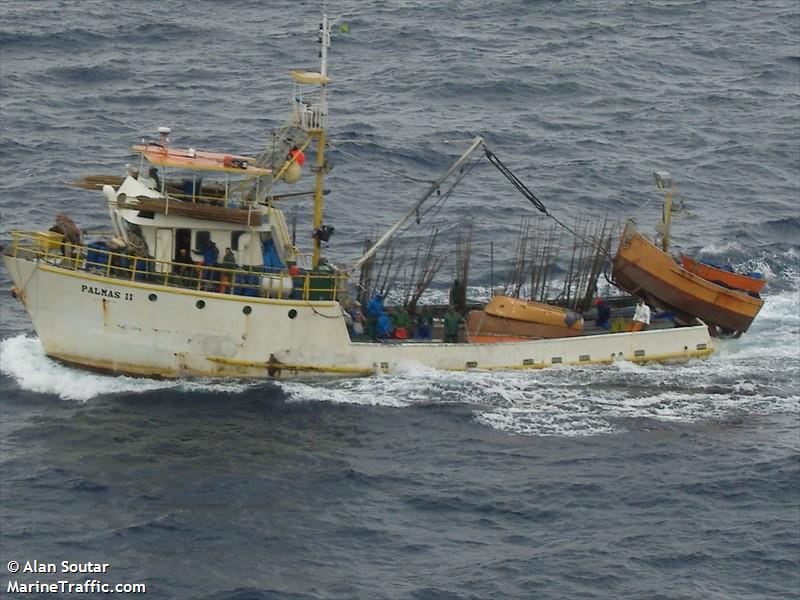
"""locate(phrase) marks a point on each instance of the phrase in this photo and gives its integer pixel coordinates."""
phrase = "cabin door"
(164, 250)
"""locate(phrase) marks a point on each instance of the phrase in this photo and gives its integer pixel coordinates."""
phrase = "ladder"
(273, 157)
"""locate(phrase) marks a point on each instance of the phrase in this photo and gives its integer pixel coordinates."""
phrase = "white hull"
(113, 325)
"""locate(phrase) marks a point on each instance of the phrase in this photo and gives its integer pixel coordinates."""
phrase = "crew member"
(400, 321)
(228, 262)
(458, 295)
(424, 325)
(210, 257)
(184, 267)
(156, 179)
(452, 323)
(603, 314)
(641, 318)
(374, 312)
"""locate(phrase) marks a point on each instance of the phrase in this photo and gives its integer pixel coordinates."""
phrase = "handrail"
(50, 248)
(197, 198)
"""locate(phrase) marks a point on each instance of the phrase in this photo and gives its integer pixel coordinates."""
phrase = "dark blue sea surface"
(628, 481)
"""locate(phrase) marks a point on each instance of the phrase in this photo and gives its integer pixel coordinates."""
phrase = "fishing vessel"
(203, 278)
(650, 272)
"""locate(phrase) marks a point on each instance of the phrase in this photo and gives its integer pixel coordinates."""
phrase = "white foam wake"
(23, 359)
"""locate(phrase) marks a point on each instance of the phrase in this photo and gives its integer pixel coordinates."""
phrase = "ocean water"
(654, 481)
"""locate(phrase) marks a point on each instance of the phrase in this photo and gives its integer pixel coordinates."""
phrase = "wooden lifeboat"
(533, 312)
(482, 328)
(506, 319)
(644, 270)
(723, 277)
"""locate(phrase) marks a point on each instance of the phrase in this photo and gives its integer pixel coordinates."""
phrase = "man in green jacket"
(452, 323)
(400, 321)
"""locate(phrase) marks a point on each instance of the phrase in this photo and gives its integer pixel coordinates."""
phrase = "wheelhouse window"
(201, 240)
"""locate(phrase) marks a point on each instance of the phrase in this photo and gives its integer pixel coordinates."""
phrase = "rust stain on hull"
(113, 368)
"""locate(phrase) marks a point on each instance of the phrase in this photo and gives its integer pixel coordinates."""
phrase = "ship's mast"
(664, 182)
(325, 42)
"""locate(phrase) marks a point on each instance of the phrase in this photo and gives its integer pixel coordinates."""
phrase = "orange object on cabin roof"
(183, 158)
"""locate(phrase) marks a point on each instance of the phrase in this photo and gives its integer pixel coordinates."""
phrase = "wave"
(58, 41)
(23, 359)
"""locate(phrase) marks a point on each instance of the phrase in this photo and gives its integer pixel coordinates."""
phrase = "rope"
(386, 171)
(515, 181)
(439, 204)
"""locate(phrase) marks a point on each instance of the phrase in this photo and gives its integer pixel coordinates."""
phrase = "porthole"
(152, 297)
(201, 304)
(247, 310)
(292, 314)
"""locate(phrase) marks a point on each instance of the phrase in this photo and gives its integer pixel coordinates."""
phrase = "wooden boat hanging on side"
(644, 270)
(751, 283)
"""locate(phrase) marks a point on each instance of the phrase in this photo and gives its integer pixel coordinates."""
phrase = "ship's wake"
(23, 359)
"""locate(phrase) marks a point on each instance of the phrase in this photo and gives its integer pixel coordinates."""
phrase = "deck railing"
(308, 116)
(50, 248)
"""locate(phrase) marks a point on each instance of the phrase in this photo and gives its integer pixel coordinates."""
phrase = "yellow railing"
(49, 247)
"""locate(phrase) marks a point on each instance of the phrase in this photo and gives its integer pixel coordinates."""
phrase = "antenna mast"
(325, 42)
